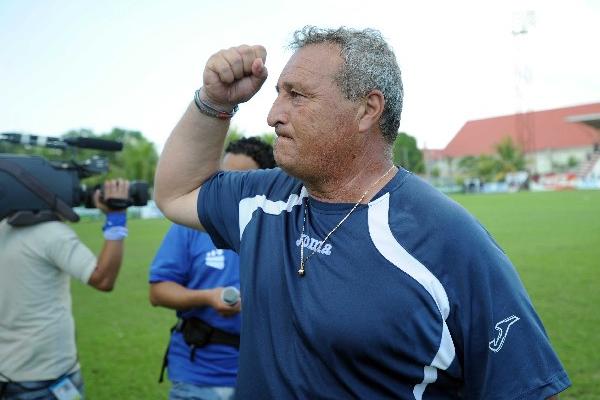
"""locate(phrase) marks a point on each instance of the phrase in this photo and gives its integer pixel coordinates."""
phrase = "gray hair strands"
(369, 64)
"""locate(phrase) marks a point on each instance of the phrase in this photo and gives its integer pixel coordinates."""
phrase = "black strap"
(165, 357)
(30, 182)
(197, 334)
(27, 218)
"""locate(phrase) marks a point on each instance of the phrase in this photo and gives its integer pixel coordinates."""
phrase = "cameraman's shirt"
(37, 331)
(188, 257)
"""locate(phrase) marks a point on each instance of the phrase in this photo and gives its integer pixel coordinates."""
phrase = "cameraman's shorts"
(35, 390)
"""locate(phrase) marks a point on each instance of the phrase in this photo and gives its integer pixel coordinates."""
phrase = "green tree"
(510, 157)
(232, 135)
(487, 168)
(572, 162)
(269, 138)
(137, 160)
(407, 154)
(468, 165)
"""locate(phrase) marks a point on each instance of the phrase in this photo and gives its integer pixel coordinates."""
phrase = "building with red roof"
(550, 139)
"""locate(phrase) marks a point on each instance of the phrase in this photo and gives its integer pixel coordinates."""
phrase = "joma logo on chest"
(314, 245)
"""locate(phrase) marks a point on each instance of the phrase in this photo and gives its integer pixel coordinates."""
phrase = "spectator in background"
(189, 275)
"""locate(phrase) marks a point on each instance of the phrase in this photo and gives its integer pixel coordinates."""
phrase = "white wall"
(544, 161)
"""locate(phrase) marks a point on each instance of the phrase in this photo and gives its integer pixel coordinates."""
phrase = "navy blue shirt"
(409, 298)
(188, 257)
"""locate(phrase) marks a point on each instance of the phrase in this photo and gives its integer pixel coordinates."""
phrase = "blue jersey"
(409, 298)
(189, 258)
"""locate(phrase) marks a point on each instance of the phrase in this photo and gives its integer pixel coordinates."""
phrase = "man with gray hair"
(358, 279)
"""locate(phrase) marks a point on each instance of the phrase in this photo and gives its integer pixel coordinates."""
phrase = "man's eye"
(294, 94)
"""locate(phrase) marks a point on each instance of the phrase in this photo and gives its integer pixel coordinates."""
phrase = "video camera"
(33, 189)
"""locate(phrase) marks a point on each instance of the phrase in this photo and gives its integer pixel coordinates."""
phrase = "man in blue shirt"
(189, 274)
(359, 280)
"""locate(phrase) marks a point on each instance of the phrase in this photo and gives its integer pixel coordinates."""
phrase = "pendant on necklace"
(301, 270)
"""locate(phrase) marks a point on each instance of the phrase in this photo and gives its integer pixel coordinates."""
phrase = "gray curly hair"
(369, 64)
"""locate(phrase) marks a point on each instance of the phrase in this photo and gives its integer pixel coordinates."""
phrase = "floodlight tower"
(525, 125)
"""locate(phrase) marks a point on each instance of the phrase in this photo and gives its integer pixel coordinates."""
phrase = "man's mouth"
(281, 134)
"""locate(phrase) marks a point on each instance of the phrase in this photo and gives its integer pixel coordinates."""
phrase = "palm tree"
(510, 157)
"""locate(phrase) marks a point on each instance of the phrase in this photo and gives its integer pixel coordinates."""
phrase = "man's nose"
(277, 114)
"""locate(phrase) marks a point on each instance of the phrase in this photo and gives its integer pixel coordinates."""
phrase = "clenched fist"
(233, 76)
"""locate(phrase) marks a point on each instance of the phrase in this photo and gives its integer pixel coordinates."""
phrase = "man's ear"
(370, 111)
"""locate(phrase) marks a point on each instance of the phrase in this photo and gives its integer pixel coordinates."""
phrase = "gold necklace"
(303, 261)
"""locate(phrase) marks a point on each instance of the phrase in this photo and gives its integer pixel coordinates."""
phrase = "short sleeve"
(221, 197)
(172, 260)
(68, 253)
(218, 208)
(505, 349)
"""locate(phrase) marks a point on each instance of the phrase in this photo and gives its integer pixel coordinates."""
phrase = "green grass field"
(552, 238)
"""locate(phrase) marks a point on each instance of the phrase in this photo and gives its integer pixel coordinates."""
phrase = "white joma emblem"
(314, 244)
(502, 327)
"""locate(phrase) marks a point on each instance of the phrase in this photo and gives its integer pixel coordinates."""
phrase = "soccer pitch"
(552, 238)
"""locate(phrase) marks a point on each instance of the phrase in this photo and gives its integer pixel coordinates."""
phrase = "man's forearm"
(191, 155)
(177, 297)
(109, 263)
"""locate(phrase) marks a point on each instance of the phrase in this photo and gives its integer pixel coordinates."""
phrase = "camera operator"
(38, 355)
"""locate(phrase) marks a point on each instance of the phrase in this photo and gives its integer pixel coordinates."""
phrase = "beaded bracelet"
(210, 111)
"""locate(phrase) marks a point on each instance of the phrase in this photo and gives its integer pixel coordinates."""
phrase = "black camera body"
(34, 190)
(138, 196)
(14, 196)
